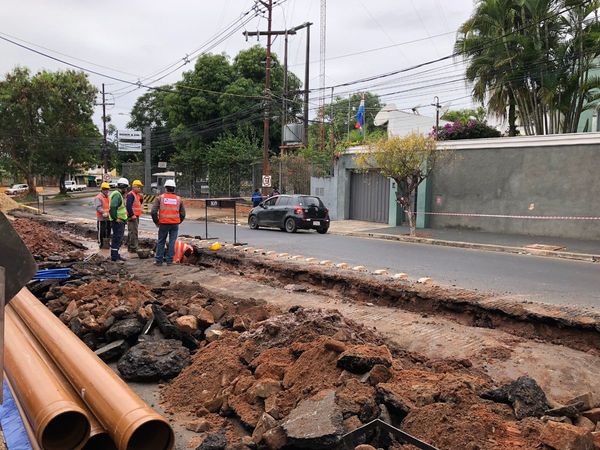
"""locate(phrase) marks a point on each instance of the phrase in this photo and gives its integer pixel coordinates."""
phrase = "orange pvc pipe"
(131, 423)
(99, 438)
(57, 422)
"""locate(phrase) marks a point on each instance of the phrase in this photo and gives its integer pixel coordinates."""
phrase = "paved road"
(534, 278)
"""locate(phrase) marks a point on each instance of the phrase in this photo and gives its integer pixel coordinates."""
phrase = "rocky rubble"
(44, 243)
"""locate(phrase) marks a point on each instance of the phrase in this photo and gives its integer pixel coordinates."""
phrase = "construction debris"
(245, 374)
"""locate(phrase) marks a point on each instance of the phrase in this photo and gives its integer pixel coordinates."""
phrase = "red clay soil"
(294, 354)
(41, 241)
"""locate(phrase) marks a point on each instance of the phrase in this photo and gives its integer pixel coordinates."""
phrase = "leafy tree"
(408, 160)
(343, 114)
(464, 115)
(530, 60)
(46, 123)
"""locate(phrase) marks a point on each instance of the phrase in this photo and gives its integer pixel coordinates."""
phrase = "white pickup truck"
(72, 186)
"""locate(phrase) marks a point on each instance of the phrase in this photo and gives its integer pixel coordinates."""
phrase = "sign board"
(129, 135)
(106, 178)
(266, 181)
(162, 164)
(130, 146)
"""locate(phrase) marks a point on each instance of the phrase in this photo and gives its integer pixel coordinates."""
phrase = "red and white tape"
(509, 216)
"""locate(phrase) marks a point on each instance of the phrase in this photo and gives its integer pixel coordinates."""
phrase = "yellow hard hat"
(105, 186)
(216, 246)
(137, 183)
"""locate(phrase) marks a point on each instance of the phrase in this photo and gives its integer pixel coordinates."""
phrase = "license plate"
(316, 222)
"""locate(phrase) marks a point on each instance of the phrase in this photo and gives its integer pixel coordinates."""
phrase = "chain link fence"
(290, 174)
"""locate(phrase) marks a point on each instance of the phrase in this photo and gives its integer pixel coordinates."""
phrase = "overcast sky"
(134, 39)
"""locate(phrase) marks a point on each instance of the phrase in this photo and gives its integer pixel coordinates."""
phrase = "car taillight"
(299, 211)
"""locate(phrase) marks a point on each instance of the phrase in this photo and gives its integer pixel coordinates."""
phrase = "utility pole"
(286, 34)
(437, 115)
(266, 168)
(148, 160)
(104, 140)
(306, 83)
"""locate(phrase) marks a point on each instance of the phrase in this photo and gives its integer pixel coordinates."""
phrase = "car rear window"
(283, 200)
(310, 201)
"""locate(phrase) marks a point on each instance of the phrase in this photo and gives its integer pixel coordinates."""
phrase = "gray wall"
(326, 189)
(545, 180)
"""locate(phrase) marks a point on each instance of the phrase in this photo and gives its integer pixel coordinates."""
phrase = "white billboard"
(129, 135)
(130, 146)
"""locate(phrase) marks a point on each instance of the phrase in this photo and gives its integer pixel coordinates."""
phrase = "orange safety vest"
(180, 249)
(137, 204)
(105, 205)
(168, 211)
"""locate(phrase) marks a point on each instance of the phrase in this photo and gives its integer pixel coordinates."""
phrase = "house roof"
(402, 123)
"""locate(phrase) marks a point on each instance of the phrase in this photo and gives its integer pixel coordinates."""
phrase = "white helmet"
(123, 182)
(170, 183)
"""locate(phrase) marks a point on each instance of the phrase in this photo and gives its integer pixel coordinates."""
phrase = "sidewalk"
(579, 249)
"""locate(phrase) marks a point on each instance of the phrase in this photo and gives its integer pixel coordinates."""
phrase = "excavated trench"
(576, 329)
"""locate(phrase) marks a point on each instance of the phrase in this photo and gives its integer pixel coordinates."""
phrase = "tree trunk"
(512, 116)
(61, 184)
(410, 216)
(30, 182)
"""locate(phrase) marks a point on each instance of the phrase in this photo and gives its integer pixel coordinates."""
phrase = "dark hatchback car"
(291, 213)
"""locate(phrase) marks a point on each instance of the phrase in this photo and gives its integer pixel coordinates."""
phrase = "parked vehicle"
(291, 213)
(113, 183)
(72, 186)
(16, 189)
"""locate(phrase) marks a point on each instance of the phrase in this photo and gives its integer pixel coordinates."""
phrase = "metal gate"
(369, 196)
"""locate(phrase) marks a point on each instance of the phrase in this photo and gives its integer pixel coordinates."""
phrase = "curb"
(470, 245)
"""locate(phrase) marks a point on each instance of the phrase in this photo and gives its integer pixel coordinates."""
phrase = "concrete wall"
(326, 189)
(537, 175)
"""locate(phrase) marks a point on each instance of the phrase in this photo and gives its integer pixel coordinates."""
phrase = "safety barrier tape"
(510, 216)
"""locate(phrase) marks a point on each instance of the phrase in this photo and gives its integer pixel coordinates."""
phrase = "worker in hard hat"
(167, 213)
(134, 211)
(118, 218)
(182, 252)
(102, 206)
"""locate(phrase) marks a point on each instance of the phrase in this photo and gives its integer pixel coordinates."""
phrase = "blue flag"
(360, 116)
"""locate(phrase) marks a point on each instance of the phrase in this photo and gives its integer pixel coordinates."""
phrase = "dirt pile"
(44, 243)
(7, 203)
(267, 377)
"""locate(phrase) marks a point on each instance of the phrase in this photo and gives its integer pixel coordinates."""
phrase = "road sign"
(129, 135)
(266, 181)
(130, 146)
(106, 177)
(162, 164)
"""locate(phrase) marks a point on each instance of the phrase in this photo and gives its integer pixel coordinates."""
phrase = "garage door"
(369, 196)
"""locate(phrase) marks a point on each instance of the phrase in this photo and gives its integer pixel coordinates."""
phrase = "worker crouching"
(167, 213)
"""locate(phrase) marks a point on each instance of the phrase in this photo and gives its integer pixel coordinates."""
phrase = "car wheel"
(290, 225)
(253, 222)
(322, 230)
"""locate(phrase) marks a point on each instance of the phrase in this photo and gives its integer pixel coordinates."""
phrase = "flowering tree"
(408, 161)
(465, 129)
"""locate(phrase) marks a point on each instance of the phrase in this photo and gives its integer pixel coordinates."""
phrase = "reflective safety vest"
(137, 204)
(121, 210)
(105, 206)
(168, 211)
(180, 249)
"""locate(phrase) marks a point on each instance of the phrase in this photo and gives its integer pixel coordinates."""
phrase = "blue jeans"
(118, 230)
(163, 230)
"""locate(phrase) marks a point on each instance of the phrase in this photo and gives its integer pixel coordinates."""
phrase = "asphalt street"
(524, 277)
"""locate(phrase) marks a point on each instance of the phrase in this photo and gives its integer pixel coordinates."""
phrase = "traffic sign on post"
(266, 181)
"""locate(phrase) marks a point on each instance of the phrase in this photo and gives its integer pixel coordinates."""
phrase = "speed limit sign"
(266, 181)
